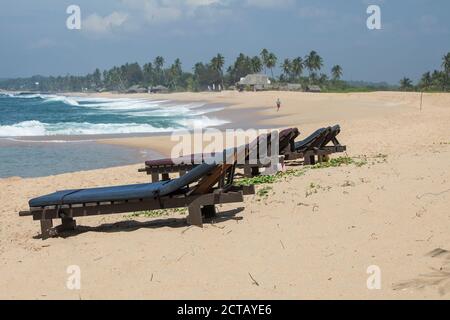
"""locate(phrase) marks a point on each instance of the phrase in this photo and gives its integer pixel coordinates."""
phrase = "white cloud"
(269, 3)
(101, 25)
(199, 3)
(134, 14)
(163, 11)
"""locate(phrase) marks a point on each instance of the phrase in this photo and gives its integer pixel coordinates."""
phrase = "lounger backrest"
(331, 136)
(191, 177)
(287, 139)
(194, 159)
(320, 141)
(313, 141)
(206, 184)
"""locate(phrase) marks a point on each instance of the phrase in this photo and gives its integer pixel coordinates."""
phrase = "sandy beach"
(313, 236)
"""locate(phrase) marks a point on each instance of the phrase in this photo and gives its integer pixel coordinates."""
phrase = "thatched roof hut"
(313, 88)
(158, 89)
(136, 89)
(255, 81)
(291, 87)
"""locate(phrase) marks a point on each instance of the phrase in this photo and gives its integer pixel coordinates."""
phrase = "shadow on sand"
(133, 225)
(439, 278)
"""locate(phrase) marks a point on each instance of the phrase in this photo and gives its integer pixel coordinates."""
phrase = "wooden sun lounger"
(315, 148)
(160, 169)
(214, 185)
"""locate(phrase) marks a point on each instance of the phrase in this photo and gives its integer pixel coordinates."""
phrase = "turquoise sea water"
(44, 135)
(39, 159)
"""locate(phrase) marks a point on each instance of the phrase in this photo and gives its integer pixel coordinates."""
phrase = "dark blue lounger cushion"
(121, 193)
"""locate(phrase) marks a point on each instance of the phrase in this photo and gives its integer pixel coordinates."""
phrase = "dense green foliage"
(438, 80)
(301, 70)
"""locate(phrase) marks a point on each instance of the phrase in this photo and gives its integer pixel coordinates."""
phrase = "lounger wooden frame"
(198, 205)
(313, 156)
(162, 172)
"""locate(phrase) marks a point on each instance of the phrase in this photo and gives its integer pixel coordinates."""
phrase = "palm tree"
(446, 67)
(438, 79)
(287, 68)
(177, 64)
(446, 62)
(148, 73)
(159, 62)
(175, 73)
(256, 64)
(426, 81)
(313, 62)
(217, 64)
(264, 57)
(323, 79)
(406, 84)
(297, 67)
(336, 72)
(271, 62)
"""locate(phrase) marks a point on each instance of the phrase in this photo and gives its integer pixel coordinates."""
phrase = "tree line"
(437, 80)
(305, 70)
(202, 76)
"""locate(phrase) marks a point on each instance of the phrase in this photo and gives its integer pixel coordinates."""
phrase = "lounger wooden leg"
(255, 171)
(307, 160)
(155, 177)
(209, 211)
(46, 227)
(247, 171)
(165, 177)
(195, 216)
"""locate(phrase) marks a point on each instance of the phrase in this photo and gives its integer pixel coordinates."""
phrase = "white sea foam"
(22, 129)
(170, 111)
(66, 100)
(159, 107)
(36, 128)
(40, 140)
(26, 96)
(184, 116)
(123, 105)
(203, 122)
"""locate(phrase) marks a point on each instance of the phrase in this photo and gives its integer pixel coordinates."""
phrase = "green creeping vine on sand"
(158, 213)
(280, 176)
(332, 163)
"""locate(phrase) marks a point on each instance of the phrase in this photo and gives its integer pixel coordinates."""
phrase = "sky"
(34, 38)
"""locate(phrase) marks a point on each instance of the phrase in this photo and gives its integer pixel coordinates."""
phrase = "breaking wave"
(118, 116)
(37, 128)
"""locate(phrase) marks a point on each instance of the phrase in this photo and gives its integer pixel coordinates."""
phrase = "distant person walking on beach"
(278, 104)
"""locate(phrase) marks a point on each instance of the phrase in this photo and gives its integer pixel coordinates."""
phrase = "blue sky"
(34, 39)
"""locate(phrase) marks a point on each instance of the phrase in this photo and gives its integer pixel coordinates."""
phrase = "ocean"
(43, 134)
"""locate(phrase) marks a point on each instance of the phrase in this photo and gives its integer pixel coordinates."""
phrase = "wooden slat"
(205, 185)
(25, 213)
(146, 205)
